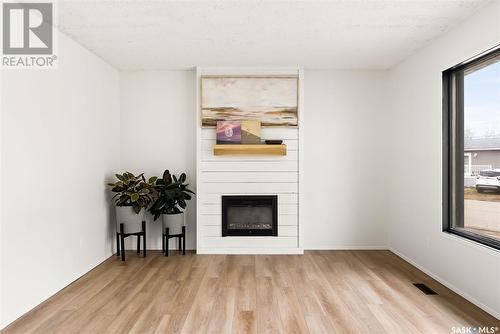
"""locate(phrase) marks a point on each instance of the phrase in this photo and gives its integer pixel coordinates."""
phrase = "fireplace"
(250, 215)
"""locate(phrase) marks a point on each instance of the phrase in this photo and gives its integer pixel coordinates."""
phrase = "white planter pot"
(173, 222)
(132, 222)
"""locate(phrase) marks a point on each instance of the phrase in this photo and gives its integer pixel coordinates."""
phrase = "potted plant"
(172, 194)
(133, 196)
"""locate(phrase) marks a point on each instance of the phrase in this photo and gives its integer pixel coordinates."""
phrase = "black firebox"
(253, 215)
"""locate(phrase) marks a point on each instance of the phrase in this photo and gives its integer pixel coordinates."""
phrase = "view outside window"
(482, 149)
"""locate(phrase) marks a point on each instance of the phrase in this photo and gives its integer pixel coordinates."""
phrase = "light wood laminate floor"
(319, 292)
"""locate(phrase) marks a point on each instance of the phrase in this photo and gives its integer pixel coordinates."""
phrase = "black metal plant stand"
(180, 237)
(120, 239)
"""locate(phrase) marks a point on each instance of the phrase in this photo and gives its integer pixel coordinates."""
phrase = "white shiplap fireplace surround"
(250, 175)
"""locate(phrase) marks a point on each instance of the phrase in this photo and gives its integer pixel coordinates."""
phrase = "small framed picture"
(228, 132)
(250, 132)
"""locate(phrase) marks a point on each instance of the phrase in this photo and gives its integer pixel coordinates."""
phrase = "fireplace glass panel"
(249, 215)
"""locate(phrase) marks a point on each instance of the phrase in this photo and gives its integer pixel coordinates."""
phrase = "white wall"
(344, 149)
(158, 132)
(60, 140)
(415, 193)
(345, 153)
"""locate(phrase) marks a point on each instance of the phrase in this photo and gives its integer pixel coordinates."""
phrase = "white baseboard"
(362, 247)
(249, 251)
(448, 285)
(243, 250)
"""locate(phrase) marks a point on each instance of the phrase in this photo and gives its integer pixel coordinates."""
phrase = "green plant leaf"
(169, 194)
(134, 197)
(167, 177)
(143, 191)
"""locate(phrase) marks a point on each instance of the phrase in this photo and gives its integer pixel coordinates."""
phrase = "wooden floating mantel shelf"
(255, 149)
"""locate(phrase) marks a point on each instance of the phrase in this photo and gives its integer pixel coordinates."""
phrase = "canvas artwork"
(228, 132)
(273, 101)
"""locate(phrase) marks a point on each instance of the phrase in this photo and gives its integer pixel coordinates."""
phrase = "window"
(471, 149)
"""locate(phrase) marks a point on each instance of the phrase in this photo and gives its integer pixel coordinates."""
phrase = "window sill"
(468, 240)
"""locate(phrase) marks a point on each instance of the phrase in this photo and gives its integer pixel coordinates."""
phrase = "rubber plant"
(133, 190)
(172, 194)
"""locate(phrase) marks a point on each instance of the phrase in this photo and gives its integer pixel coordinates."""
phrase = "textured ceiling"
(341, 34)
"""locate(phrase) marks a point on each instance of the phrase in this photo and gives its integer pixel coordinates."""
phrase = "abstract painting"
(228, 132)
(250, 132)
(273, 101)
